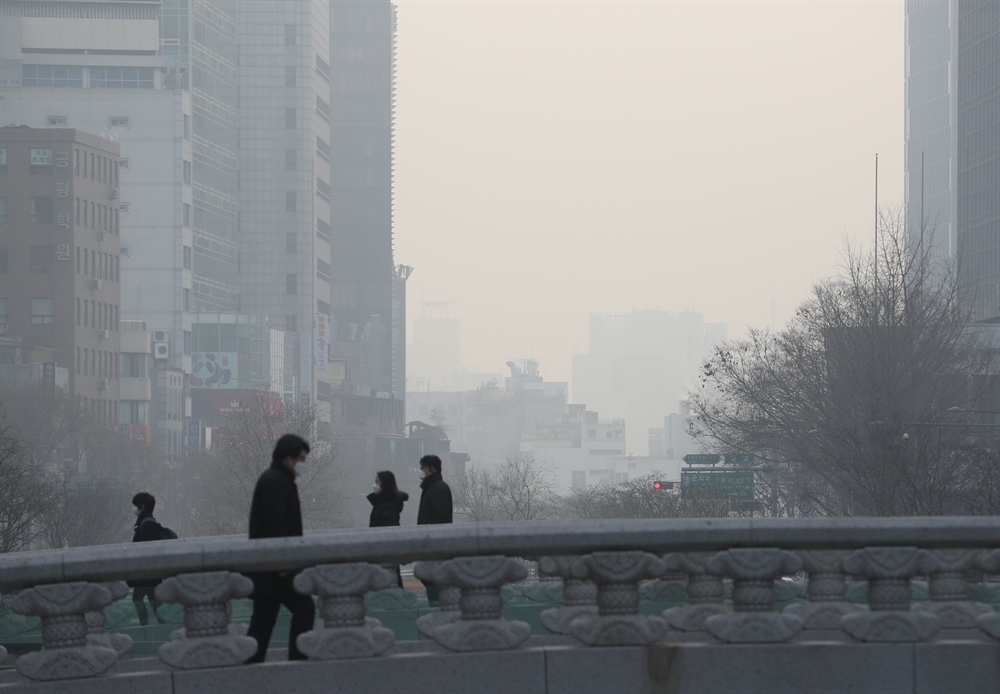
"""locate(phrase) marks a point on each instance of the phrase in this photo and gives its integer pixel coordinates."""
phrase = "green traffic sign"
(702, 459)
(717, 485)
(740, 458)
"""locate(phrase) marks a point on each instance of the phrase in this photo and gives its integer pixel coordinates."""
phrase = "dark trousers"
(433, 593)
(265, 614)
(138, 594)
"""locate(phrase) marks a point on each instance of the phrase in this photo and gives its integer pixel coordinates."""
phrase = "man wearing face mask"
(146, 529)
(275, 512)
(435, 506)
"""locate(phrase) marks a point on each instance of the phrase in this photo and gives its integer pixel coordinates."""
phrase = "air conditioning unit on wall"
(161, 350)
(105, 334)
(161, 336)
(105, 384)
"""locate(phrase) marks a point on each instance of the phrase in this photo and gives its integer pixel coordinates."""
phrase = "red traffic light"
(660, 484)
(657, 485)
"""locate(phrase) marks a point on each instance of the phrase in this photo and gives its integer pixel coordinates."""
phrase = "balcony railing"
(593, 572)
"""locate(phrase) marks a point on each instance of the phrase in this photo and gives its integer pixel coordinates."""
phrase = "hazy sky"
(559, 158)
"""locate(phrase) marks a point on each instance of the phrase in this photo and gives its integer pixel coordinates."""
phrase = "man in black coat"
(146, 529)
(275, 512)
(435, 506)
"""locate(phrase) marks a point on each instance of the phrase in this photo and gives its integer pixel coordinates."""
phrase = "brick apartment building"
(59, 255)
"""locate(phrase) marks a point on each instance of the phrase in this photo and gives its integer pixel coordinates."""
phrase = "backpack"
(163, 531)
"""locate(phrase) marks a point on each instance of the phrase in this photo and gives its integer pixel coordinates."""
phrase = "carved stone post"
(482, 626)
(96, 636)
(341, 589)
(753, 619)
(888, 570)
(448, 597)
(990, 623)
(207, 639)
(827, 590)
(579, 596)
(618, 622)
(704, 590)
(948, 590)
(65, 652)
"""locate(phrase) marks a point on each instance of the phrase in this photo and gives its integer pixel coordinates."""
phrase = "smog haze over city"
(559, 158)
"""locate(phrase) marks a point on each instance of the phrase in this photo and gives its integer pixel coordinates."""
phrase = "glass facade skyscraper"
(953, 140)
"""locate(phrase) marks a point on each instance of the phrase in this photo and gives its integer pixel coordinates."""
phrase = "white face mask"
(300, 467)
(135, 510)
(376, 488)
(421, 475)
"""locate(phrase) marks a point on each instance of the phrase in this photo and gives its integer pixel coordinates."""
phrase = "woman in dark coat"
(387, 503)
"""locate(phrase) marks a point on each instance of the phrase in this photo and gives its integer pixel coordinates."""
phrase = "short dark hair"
(431, 461)
(144, 499)
(289, 446)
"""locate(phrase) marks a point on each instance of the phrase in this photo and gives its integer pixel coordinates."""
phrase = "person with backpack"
(146, 529)
(387, 503)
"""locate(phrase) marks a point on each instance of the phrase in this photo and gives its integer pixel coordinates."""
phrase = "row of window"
(100, 169)
(106, 411)
(94, 314)
(100, 266)
(43, 311)
(94, 362)
(100, 218)
(94, 77)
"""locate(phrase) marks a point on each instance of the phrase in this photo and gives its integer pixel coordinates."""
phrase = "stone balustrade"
(601, 565)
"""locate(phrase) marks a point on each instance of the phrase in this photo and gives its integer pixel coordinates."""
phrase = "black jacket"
(275, 510)
(435, 501)
(145, 532)
(385, 509)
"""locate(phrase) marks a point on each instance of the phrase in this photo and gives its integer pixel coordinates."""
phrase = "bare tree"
(638, 498)
(243, 447)
(520, 488)
(852, 398)
(25, 493)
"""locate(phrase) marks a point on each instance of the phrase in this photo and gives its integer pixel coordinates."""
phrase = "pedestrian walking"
(146, 529)
(387, 504)
(435, 506)
(275, 512)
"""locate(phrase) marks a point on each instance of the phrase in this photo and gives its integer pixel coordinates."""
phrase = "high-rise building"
(369, 298)
(953, 140)
(59, 259)
(285, 194)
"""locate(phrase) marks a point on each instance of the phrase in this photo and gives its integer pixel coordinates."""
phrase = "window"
(118, 122)
(322, 270)
(187, 127)
(121, 78)
(322, 307)
(3, 160)
(289, 34)
(322, 149)
(51, 76)
(291, 284)
(187, 172)
(3, 259)
(322, 230)
(3, 210)
(323, 189)
(187, 300)
(78, 260)
(4, 315)
(322, 68)
(291, 323)
(290, 118)
(76, 162)
(187, 257)
(134, 365)
(41, 258)
(290, 163)
(187, 215)
(290, 201)
(289, 76)
(42, 311)
(56, 121)
(41, 210)
(290, 243)
(323, 109)
(187, 342)
(79, 313)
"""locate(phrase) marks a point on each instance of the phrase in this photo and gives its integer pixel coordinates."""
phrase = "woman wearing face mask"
(387, 503)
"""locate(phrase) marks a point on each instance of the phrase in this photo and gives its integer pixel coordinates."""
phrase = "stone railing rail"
(600, 565)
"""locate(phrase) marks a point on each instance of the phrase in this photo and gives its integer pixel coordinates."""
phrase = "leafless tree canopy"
(852, 397)
(242, 451)
(521, 488)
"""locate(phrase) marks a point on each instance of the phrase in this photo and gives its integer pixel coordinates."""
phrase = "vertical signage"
(194, 433)
(322, 338)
